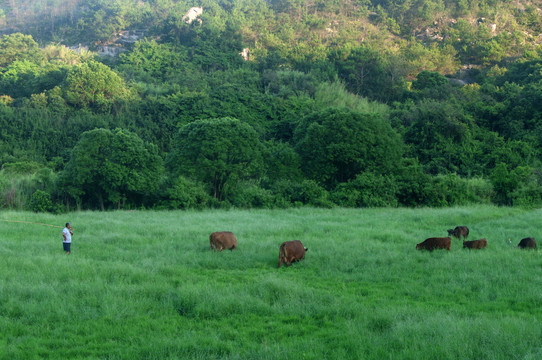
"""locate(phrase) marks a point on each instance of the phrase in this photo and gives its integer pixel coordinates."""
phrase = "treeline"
(181, 120)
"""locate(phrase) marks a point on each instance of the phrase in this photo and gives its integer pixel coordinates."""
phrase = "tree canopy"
(217, 152)
(336, 144)
(113, 166)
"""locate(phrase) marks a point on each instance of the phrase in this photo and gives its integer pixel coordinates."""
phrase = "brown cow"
(291, 251)
(221, 240)
(475, 244)
(459, 232)
(527, 243)
(435, 243)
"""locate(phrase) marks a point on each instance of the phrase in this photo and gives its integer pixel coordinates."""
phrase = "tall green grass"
(144, 285)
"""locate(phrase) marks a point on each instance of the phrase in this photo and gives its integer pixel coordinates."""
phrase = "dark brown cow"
(475, 244)
(221, 240)
(527, 243)
(459, 232)
(291, 251)
(435, 243)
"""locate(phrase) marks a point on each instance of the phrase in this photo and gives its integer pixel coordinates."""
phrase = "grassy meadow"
(144, 285)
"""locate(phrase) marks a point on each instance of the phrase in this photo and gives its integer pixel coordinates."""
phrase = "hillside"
(349, 103)
(481, 32)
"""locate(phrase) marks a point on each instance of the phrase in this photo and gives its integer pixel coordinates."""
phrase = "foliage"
(428, 80)
(22, 167)
(251, 196)
(367, 190)
(367, 73)
(27, 185)
(94, 85)
(335, 94)
(113, 166)
(217, 152)
(281, 162)
(24, 78)
(152, 62)
(289, 83)
(41, 202)
(19, 47)
(336, 144)
(182, 193)
(306, 192)
(438, 101)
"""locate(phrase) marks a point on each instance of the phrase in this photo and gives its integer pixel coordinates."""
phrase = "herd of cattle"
(291, 251)
(461, 232)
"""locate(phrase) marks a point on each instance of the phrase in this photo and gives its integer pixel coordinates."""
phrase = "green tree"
(436, 133)
(336, 144)
(19, 47)
(367, 190)
(427, 80)
(94, 85)
(367, 72)
(152, 62)
(41, 202)
(281, 162)
(216, 152)
(24, 78)
(114, 166)
(101, 19)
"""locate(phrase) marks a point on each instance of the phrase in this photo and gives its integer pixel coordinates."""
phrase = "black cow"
(459, 232)
(527, 243)
(475, 244)
(435, 243)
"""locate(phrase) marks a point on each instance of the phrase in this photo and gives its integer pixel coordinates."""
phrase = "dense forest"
(128, 104)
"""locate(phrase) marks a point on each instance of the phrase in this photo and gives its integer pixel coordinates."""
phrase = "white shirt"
(67, 238)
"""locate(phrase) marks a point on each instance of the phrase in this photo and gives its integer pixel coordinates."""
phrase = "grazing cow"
(475, 244)
(459, 232)
(291, 251)
(221, 240)
(527, 243)
(435, 243)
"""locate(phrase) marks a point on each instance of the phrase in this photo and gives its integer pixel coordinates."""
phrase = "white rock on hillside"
(192, 15)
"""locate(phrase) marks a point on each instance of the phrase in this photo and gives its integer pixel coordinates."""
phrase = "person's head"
(68, 225)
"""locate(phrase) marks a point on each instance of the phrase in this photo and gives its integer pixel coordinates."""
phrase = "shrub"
(412, 189)
(307, 192)
(367, 190)
(449, 190)
(21, 167)
(41, 202)
(480, 190)
(183, 193)
(529, 191)
(252, 196)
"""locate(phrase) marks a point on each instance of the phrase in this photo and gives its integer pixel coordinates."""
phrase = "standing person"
(67, 233)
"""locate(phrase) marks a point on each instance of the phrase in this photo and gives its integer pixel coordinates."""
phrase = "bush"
(183, 193)
(252, 196)
(448, 190)
(453, 190)
(41, 202)
(412, 189)
(529, 191)
(307, 192)
(480, 190)
(367, 190)
(21, 168)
